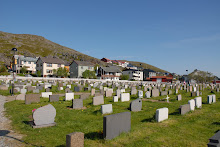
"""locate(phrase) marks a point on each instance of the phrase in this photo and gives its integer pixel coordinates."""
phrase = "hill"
(38, 46)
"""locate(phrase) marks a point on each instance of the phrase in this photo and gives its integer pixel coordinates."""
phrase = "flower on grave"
(33, 110)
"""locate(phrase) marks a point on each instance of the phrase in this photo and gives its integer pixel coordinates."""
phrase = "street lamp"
(13, 67)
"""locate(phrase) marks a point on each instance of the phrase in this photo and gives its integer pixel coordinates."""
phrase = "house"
(106, 60)
(134, 74)
(22, 61)
(130, 66)
(47, 65)
(160, 79)
(78, 67)
(148, 73)
(109, 73)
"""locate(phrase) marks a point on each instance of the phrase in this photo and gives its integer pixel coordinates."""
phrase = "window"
(59, 65)
(37, 65)
(49, 71)
(29, 62)
(49, 65)
(81, 67)
(24, 62)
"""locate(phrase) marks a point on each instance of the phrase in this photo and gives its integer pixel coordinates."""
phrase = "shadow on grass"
(176, 112)
(94, 135)
(5, 132)
(216, 123)
(28, 122)
(152, 119)
(61, 145)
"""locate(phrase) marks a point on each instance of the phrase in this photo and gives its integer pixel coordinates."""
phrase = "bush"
(3, 68)
(124, 77)
(87, 74)
(61, 72)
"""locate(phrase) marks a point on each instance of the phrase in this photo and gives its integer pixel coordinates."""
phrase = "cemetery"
(112, 113)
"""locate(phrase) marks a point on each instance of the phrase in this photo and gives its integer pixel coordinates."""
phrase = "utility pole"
(13, 67)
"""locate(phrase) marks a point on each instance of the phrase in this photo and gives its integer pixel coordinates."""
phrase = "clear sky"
(173, 35)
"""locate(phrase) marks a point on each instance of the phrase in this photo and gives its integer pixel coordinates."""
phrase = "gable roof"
(83, 63)
(52, 60)
(111, 69)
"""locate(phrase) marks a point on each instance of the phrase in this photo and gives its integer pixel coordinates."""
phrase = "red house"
(106, 60)
(160, 79)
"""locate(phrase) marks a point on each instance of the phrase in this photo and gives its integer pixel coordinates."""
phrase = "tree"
(38, 73)
(61, 72)
(201, 76)
(124, 77)
(23, 70)
(87, 74)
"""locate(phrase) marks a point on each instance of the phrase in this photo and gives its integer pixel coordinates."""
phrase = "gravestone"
(20, 97)
(198, 102)
(68, 86)
(193, 94)
(23, 91)
(163, 93)
(136, 105)
(108, 93)
(60, 88)
(44, 116)
(54, 98)
(155, 93)
(39, 87)
(115, 99)
(107, 108)
(118, 93)
(125, 97)
(176, 92)
(36, 91)
(213, 98)
(209, 99)
(133, 91)
(192, 104)
(115, 124)
(170, 92)
(179, 97)
(77, 103)
(46, 94)
(190, 88)
(30, 88)
(161, 114)
(3, 87)
(140, 94)
(32, 98)
(92, 92)
(84, 96)
(147, 94)
(76, 89)
(69, 96)
(184, 109)
(98, 100)
(75, 139)
(47, 90)
(214, 141)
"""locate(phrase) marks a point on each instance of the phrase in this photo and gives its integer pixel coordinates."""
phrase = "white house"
(46, 65)
(22, 61)
(134, 74)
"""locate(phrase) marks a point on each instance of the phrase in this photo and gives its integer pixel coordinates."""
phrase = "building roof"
(52, 60)
(23, 58)
(160, 77)
(149, 70)
(83, 63)
(111, 69)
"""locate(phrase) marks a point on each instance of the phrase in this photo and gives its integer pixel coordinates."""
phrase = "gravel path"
(8, 138)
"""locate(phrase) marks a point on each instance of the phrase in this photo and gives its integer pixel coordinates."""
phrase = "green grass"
(192, 129)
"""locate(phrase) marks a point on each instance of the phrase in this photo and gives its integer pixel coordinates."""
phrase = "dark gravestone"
(30, 88)
(39, 87)
(75, 139)
(114, 125)
(193, 94)
(214, 141)
(86, 89)
(54, 98)
(77, 103)
(77, 89)
(184, 109)
(136, 105)
(32, 98)
(44, 116)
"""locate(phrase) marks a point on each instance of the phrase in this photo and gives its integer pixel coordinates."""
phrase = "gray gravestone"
(54, 98)
(77, 103)
(44, 116)
(105, 109)
(155, 93)
(75, 139)
(163, 93)
(98, 100)
(179, 97)
(184, 109)
(136, 105)
(32, 98)
(20, 97)
(114, 125)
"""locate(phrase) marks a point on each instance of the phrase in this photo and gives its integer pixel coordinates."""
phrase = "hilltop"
(38, 46)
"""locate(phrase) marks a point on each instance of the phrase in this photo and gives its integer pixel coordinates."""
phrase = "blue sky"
(170, 34)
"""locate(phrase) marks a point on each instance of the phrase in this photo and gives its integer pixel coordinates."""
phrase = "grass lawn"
(192, 129)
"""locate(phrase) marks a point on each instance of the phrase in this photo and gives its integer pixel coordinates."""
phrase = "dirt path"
(8, 138)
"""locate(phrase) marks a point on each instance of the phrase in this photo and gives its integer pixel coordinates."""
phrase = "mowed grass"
(192, 129)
